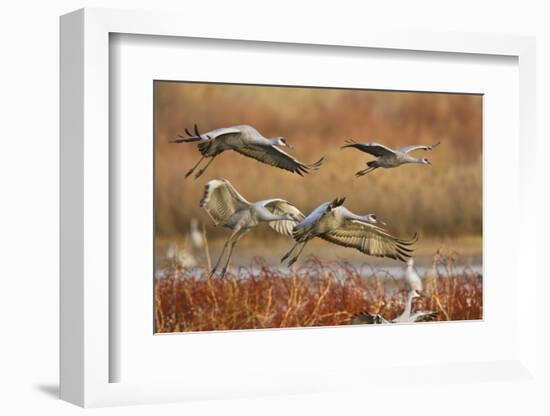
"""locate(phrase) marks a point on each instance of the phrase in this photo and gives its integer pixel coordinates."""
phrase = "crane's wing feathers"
(214, 134)
(221, 200)
(280, 207)
(366, 317)
(370, 240)
(273, 156)
(375, 149)
(424, 316)
(413, 147)
(196, 136)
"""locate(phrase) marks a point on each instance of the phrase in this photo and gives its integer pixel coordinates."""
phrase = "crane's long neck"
(268, 216)
(342, 213)
(408, 306)
(411, 159)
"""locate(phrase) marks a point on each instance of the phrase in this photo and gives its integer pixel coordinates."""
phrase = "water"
(366, 270)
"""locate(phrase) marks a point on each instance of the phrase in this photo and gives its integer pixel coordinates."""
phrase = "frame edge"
(89, 388)
(71, 217)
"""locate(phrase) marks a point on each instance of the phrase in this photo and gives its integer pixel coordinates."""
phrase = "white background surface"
(29, 209)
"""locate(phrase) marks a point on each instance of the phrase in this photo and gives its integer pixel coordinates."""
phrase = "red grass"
(315, 294)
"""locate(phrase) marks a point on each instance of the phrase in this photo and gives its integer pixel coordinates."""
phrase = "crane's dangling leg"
(225, 245)
(289, 252)
(365, 171)
(219, 260)
(190, 171)
(237, 238)
(372, 165)
(200, 172)
(293, 259)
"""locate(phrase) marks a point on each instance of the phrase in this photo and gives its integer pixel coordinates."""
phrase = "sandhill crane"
(389, 158)
(333, 222)
(228, 208)
(367, 318)
(186, 256)
(195, 235)
(412, 278)
(247, 141)
(183, 257)
(406, 316)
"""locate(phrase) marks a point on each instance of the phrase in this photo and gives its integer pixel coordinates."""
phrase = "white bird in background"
(406, 316)
(389, 158)
(186, 257)
(412, 278)
(228, 208)
(332, 222)
(247, 141)
(183, 257)
(195, 235)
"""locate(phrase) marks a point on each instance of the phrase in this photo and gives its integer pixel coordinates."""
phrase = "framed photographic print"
(248, 215)
(198, 288)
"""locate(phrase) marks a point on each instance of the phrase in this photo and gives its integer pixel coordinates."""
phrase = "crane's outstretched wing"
(367, 318)
(280, 207)
(375, 149)
(203, 137)
(371, 240)
(426, 316)
(273, 156)
(221, 200)
(413, 147)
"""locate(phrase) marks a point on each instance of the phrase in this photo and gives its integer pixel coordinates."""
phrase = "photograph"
(305, 206)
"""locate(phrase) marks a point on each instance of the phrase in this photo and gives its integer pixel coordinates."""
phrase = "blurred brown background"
(443, 202)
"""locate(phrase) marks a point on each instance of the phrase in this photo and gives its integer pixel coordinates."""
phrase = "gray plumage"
(405, 317)
(408, 316)
(247, 141)
(227, 208)
(389, 158)
(412, 279)
(333, 222)
(365, 317)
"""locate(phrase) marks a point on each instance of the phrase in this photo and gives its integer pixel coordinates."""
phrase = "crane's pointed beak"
(379, 221)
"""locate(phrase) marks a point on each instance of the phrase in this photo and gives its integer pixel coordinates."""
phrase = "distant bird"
(247, 141)
(389, 158)
(333, 222)
(406, 316)
(412, 278)
(228, 208)
(195, 235)
(182, 257)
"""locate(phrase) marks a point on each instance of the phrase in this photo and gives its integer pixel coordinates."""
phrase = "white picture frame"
(85, 353)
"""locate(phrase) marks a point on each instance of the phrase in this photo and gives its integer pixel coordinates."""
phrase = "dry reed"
(315, 294)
